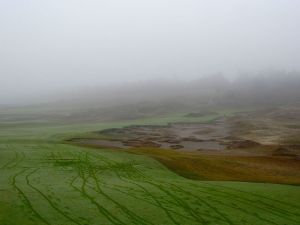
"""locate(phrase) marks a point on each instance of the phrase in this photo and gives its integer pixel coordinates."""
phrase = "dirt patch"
(276, 126)
(284, 151)
(140, 143)
(237, 135)
(243, 144)
(246, 147)
(176, 146)
(183, 136)
(99, 143)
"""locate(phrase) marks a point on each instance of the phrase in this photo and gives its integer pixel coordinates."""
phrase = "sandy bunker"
(182, 136)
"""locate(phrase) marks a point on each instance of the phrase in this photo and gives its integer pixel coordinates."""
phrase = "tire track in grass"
(193, 218)
(264, 207)
(180, 202)
(118, 188)
(237, 208)
(18, 161)
(275, 211)
(249, 201)
(244, 211)
(234, 207)
(271, 204)
(101, 209)
(187, 208)
(93, 202)
(47, 199)
(208, 205)
(136, 218)
(156, 200)
(13, 160)
(128, 178)
(230, 206)
(25, 198)
(113, 164)
(222, 215)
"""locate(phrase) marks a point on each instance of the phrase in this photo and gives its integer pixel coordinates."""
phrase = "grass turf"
(43, 181)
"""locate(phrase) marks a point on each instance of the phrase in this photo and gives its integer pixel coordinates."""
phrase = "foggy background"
(59, 47)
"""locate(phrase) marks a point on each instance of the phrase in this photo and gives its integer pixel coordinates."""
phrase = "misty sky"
(47, 46)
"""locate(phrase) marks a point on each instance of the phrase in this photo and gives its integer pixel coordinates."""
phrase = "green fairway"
(43, 181)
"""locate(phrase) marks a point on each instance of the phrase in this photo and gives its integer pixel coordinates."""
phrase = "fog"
(263, 89)
(59, 47)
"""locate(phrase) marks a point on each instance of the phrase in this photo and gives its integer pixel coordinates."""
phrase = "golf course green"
(44, 180)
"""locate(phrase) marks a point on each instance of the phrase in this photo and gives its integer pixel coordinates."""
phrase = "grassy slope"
(205, 166)
(45, 182)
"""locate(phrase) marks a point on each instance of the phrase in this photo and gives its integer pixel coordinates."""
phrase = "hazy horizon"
(62, 46)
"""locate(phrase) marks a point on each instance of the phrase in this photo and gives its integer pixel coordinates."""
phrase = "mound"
(243, 144)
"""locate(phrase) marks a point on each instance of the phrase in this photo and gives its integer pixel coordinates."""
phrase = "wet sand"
(182, 136)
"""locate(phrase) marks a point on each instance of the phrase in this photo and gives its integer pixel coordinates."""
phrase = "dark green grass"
(43, 181)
